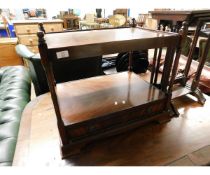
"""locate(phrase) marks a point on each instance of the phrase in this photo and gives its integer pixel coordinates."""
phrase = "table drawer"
(33, 49)
(58, 27)
(26, 29)
(29, 40)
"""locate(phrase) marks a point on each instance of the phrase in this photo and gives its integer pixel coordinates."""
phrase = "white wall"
(141, 4)
(88, 6)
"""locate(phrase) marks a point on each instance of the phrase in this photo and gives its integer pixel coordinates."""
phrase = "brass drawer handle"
(31, 40)
(52, 29)
(28, 30)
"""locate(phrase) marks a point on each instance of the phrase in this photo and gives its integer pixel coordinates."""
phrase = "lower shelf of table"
(91, 98)
(100, 105)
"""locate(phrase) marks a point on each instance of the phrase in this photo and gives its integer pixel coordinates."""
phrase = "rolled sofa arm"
(35, 69)
(23, 51)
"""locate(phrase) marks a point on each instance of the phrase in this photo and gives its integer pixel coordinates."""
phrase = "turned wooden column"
(51, 83)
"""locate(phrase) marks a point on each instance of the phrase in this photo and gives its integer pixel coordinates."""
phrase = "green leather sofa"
(14, 95)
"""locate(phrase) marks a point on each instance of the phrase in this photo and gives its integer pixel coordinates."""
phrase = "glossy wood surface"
(86, 99)
(78, 125)
(84, 44)
(152, 144)
(72, 39)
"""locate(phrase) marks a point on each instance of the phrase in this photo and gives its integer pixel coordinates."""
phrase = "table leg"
(130, 61)
(167, 68)
(153, 66)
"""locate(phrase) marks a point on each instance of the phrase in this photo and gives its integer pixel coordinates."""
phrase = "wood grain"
(152, 144)
(8, 55)
(60, 40)
(95, 97)
(80, 120)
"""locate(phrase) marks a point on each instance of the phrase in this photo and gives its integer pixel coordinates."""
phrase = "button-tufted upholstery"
(14, 95)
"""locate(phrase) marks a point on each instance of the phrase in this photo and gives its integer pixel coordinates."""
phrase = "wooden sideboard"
(26, 31)
(8, 56)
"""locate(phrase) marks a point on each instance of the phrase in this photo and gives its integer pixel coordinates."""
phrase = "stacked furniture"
(26, 31)
(14, 95)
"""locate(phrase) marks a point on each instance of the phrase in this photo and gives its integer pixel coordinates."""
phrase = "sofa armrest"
(23, 51)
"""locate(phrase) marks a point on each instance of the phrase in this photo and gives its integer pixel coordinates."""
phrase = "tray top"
(81, 38)
(90, 98)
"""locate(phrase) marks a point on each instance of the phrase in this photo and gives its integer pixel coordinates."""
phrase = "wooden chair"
(196, 19)
(201, 19)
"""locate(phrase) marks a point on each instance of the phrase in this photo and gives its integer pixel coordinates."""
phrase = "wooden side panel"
(8, 56)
